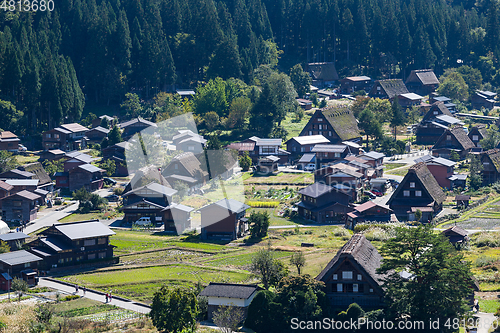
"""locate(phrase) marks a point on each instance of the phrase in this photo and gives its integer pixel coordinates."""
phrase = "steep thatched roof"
(494, 156)
(392, 88)
(342, 121)
(323, 71)
(425, 76)
(438, 107)
(360, 251)
(463, 140)
(37, 169)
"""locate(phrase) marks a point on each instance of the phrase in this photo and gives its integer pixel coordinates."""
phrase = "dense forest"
(95, 51)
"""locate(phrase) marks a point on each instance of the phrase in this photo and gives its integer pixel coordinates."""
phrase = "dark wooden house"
(351, 276)
(388, 89)
(483, 99)
(20, 264)
(441, 168)
(453, 139)
(410, 99)
(66, 137)
(177, 218)
(97, 134)
(86, 175)
(73, 243)
(9, 141)
(422, 81)
(116, 153)
(322, 73)
(15, 240)
(491, 166)
(187, 165)
(351, 84)
(147, 201)
(224, 220)
(21, 206)
(323, 203)
(369, 211)
(477, 133)
(462, 200)
(229, 294)
(434, 124)
(337, 124)
(329, 153)
(456, 235)
(134, 126)
(418, 190)
(98, 121)
(267, 165)
(266, 147)
(51, 155)
(300, 145)
(4, 190)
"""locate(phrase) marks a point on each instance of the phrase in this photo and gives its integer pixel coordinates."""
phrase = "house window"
(412, 184)
(190, 147)
(294, 149)
(89, 242)
(339, 287)
(329, 133)
(101, 241)
(325, 126)
(91, 256)
(47, 135)
(302, 149)
(418, 193)
(347, 275)
(102, 255)
(371, 290)
(334, 276)
(320, 119)
(320, 126)
(435, 113)
(60, 261)
(378, 88)
(176, 166)
(310, 133)
(56, 136)
(360, 277)
(355, 287)
(17, 203)
(26, 265)
(475, 138)
(406, 193)
(448, 138)
(337, 154)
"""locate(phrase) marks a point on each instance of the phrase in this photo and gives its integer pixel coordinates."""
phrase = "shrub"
(118, 190)
(485, 261)
(70, 298)
(377, 234)
(341, 232)
(488, 239)
(263, 204)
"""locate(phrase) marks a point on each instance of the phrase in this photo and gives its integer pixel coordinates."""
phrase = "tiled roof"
(372, 155)
(7, 135)
(230, 290)
(329, 149)
(74, 127)
(310, 139)
(85, 229)
(6, 187)
(18, 257)
(135, 121)
(89, 168)
(316, 190)
(27, 195)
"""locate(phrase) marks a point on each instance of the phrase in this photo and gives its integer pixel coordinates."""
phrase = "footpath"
(95, 295)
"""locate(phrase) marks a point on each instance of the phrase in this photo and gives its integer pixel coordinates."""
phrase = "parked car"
(310, 167)
(109, 181)
(113, 198)
(143, 221)
(22, 148)
(370, 194)
(377, 193)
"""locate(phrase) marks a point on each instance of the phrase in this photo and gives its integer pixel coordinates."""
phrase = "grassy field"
(402, 171)
(294, 128)
(241, 260)
(488, 305)
(25, 159)
(135, 241)
(141, 283)
(288, 179)
(390, 166)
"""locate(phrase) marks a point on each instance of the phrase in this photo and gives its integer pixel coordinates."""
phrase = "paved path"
(96, 296)
(50, 218)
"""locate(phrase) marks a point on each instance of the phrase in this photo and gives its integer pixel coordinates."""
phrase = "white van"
(310, 167)
(143, 221)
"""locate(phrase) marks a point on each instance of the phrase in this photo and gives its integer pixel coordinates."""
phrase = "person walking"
(76, 288)
(84, 290)
(106, 297)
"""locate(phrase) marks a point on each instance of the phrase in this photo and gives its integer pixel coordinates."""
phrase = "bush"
(70, 298)
(341, 232)
(118, 190)
(486, 239)
(485, 261)
(263, 204)
(377, 234)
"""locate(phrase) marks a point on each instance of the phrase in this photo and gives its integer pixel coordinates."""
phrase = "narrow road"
(94, 295)
(50, 219)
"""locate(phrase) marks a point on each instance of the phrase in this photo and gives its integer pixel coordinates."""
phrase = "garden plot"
(243, 260)
(480, 223)
(114, 316)
(159, 257)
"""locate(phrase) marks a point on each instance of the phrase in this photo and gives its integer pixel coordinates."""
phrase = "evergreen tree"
(398, 116)
(301, 80)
